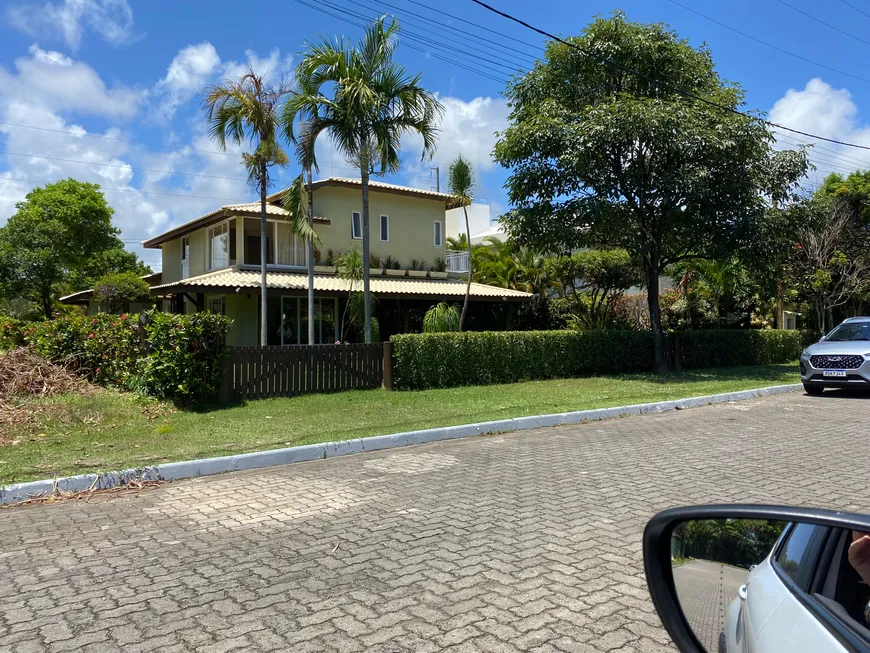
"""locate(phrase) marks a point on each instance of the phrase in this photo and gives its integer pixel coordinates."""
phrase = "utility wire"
(769, 45)
(412, 46)
(678, 90)
(465, 20)
(133, 190)
(859, 10)
(114, 165)
(819, 20)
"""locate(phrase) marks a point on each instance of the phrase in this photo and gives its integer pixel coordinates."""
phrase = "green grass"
(109, 430)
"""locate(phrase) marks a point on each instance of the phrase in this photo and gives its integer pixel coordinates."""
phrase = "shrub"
(11, 333)
(104, 347)
(731, 347)
(441, 318)
(186, 354)
(441, 360)
(117, 291)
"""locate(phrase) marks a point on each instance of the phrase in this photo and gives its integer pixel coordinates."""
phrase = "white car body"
(771, 618)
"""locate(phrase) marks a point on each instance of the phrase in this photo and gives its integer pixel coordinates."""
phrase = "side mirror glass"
(716, 576)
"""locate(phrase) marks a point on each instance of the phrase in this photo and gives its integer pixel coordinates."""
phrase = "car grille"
(852, 362)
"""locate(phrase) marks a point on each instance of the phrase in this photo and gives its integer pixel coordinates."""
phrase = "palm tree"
(374, 103)
(246, 111)
(460, 184)
(300, 221)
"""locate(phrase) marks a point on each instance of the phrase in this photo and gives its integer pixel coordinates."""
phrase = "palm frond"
(295, 202)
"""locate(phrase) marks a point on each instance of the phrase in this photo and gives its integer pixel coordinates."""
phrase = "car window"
(850, 331)
(797, 556)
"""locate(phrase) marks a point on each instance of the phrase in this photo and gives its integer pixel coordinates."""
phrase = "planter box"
(324, 269)
(375, 272)
(417, 273)
(438, 275)
(395, 273)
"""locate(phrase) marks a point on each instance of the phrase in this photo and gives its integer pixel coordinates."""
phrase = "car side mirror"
(822, 338)
(717, 572)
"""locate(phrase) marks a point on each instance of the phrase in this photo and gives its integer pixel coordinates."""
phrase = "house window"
(291, 250)
(385, 228)
(218, 306)
(356, 226)
(221, 241)
(438, 238)
(185, 257)
(252, 241)
(294, 320)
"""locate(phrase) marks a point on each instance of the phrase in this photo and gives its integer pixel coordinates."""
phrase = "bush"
(103, 348)
(186, 355)
(118, 290)
(11, 333)
(732, 347)
(181, 358)
(441, 360)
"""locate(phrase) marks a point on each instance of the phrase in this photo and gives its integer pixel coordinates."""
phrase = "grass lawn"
(110, 431)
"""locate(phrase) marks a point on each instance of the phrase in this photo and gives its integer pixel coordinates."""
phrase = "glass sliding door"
(294, 320)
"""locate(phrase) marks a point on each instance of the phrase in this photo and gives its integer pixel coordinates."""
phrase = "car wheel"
(721, 642)
(811, 389)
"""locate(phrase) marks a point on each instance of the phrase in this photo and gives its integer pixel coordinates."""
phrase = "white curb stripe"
(207, 466)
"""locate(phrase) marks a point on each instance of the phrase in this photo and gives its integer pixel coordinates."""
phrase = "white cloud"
(50, 79)
(467, 128)
(274, 68)
(186, 76)
(67, 20)
(821, 109)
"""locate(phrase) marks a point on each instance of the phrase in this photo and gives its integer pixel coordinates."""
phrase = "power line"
(678, 90)
(819, 20)
(342, 18)
(769, 45)
(465, 20)
(130, 190)
(115, 165)
(860, 11)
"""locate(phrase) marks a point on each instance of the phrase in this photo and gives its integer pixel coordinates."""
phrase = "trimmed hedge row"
(443, 360)
(177, 357)
(733, 347)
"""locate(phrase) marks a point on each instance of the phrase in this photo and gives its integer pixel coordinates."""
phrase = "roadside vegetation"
(109, 430)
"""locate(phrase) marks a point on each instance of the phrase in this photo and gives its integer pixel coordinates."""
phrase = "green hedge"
(733, 347)
(11, 333)
(441, 360)
(181, 356)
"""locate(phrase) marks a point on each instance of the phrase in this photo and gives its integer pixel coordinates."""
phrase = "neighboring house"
(480, 224)
(85, 298)
(213, 263)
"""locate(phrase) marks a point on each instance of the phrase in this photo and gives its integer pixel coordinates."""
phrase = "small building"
(213, 263)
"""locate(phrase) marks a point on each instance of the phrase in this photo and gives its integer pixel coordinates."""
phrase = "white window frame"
(208, 243)
(381, 229)
(352, 225)
(185, 257)
(438, 233)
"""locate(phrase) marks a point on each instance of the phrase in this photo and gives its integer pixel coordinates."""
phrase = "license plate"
(834, 373)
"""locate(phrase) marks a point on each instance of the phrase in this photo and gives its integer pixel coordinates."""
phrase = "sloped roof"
(350, 182)
(380, 285)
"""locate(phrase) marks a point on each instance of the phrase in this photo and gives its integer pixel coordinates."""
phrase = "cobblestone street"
(518, 542)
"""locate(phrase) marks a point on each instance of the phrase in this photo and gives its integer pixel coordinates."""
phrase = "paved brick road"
(526, 542)
(706, 590)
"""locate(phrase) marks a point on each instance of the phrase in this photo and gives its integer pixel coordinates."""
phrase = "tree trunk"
(829, 313)
(46, 302)
(820, 316)
(367, 298)
(310, 257)
(264, 332)
(651, 271)
(779, 306)
(467, 285)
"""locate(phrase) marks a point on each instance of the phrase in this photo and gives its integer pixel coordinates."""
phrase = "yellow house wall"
(171, 261)
(411, 224)
(242, 310)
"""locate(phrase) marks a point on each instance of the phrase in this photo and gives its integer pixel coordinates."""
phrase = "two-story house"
(213, 263)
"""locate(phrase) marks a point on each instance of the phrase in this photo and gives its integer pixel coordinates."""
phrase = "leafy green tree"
(374, 102)
(853, 189)
(440, 318)
(606, 151)
(113, 259)
(594, 281)
(246, 111)
(460, 184)
(58, 231)
(118, 290)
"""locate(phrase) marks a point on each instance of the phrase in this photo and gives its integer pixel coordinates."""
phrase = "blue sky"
(115, 84)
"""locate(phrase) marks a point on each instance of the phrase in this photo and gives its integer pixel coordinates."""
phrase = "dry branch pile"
(25, 374)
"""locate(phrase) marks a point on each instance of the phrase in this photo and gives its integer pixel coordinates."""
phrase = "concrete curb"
(191, 468)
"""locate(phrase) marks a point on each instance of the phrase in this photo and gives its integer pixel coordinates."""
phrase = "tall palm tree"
(297, 202)
(460, 184)
(246, 111)
(374, 102)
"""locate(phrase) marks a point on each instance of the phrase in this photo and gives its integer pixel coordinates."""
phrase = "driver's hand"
(859, 554)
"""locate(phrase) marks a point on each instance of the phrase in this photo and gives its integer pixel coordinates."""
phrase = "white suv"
(841, 358)
(776, 609)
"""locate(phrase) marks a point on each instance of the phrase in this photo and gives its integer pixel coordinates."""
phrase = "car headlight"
(805, 352)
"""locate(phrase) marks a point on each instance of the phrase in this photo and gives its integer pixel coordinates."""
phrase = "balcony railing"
(457, 261)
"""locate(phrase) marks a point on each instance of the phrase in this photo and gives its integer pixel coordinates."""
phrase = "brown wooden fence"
(261, 372)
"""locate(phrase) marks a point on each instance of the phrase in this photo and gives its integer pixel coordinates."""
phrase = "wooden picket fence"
(288, 371)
